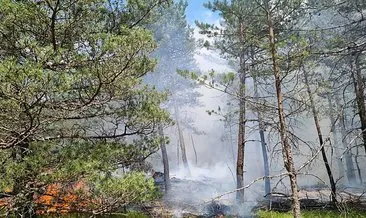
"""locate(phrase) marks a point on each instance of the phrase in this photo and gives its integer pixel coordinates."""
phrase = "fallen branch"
(348, 148)
(245, 187)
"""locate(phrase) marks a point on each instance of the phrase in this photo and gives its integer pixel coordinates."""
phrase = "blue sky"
(196, 11)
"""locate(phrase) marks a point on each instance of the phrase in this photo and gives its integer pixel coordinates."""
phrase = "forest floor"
(193, 198)
(315, 202)
(186, 199)
(313, 214)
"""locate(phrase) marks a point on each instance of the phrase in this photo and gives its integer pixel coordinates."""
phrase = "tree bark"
(320, 137)
(242, 121)
(286, 147)
(360, 96)
(164, 154)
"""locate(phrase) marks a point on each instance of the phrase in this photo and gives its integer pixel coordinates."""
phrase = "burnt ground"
(191, 198)
(313, 198)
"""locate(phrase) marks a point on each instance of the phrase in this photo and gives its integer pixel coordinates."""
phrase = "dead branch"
(245, 187)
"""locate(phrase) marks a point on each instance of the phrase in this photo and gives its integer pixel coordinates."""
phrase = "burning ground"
(202, 194)
(196, 193)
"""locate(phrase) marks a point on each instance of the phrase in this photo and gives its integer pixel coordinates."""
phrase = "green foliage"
(132, 188)
(49, 163)
(206, 44)
(135, 215)
(228, 78)
(89, 74)
(73, 103)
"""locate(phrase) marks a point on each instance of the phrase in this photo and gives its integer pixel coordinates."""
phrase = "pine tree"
(73, 104)
(175, 52)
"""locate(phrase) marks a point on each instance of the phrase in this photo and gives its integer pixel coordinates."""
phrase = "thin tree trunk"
(335, 137)
(267, 182)
(182, 143)
(232, 146)
(351, 176)
(194, 149)
(178, 153)
(164, 154)
(242, 121)
(53, 24)
(358, 165)
(286, 147)
(320, 137)
(183, 149)
(360, 97)
(350, 169)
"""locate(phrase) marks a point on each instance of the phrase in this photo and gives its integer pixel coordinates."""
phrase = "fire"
(59, 199)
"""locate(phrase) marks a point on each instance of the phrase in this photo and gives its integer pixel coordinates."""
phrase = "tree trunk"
(358, 166)
(194, 149)
(351, 176)
(232, 146)
(335, 137)
(267, 182)
(178, 153)
(320, 137)
(242, 121)
(164, 154)
(182, 143)
(286, 147)
(360, 97)
(350, 169)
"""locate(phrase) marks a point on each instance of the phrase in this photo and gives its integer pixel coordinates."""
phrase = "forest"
(127, 108)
